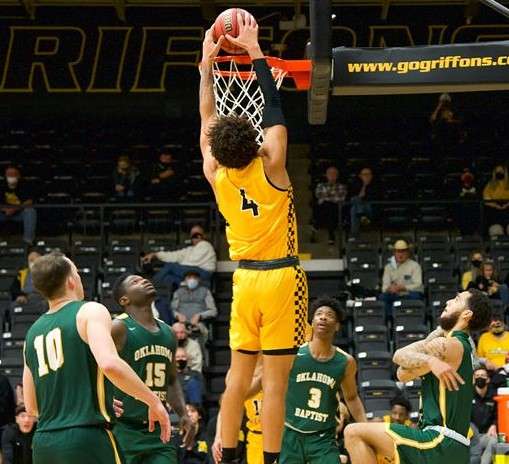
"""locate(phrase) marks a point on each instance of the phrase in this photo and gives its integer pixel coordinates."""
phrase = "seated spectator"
(487, 282)
(447, 127)
(402, 279)
(164, 182)
(328, 197)
(484, 419)
(467, 213)
(190, 380)
(362, 192)
(161, 309)
(193, 303)
(476, 260)
(7, 403)
(22, 288)
(198, 452)
(15, 194)
(17, 439)
(199, 257)
(493, 346)
(192, 347)
(496, 202)
(127, 180)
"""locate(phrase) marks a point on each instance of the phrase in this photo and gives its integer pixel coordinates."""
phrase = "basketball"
(226, 23)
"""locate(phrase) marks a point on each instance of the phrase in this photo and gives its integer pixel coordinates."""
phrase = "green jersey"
(313, 391)
(150, 354)
(450, 408)
(70, 388)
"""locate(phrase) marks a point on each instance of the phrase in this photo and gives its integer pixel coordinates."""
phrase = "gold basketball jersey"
(253, 407)
(261, 223)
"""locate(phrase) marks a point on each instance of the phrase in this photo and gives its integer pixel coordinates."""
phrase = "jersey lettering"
(248, 204)
(49, 347)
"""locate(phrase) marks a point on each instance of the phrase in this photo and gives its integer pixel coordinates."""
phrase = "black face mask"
(499, 175)
(476, 262)
(181, 342)
(182, 364)
(480, 382)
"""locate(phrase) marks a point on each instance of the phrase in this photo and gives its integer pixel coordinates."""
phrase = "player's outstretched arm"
(350, 392)
(441, 356)
(94, 326)
(207, 103)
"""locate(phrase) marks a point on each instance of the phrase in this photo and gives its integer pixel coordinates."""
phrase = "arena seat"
(368, 313)
(377, 394)
(374, 366)
(372, 338)
(408, 312)
(404, 335)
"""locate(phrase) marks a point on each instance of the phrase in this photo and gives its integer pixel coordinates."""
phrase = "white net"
(237, 92)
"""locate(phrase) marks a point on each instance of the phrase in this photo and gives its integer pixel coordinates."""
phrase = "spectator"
(402, 279)
(474, 271)
(127, 180)
(22, 287)
(190, 380)
(199, 257)
(496, 201)
(487, 282)
(362, 192)
(400, 411)
(198, 452)
(328, 197)
(7, 403)
(484, 418)
(193, 303)
(493, 346)
(17, 439)
(467, 214)
(15, 194)
(447, 130)
(192, 347)
(163, 178)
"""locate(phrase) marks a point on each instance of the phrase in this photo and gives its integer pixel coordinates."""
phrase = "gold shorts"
(254, 448)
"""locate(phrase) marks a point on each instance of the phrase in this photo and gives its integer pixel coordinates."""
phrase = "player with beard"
(148, 345)
(444, 361)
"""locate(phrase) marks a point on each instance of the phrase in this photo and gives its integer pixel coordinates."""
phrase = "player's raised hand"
(158, 413)
(210, 48)
(446, 374)
(248, 33)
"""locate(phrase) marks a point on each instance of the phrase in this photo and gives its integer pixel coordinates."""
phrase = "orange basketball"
(226, 23)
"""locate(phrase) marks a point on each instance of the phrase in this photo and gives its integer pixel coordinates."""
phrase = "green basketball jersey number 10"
(312, 396)
(70, 389)
(150, 354)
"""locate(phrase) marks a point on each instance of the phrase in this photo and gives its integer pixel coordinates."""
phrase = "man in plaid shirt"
(328, 196)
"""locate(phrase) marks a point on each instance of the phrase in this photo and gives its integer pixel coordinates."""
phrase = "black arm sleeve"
(272, 112)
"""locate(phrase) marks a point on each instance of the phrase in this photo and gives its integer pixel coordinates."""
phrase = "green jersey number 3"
(49, 347)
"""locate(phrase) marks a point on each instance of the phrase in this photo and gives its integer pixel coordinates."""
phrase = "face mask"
(30, 265)
(480, 382)
(182, 364)
(181, 342)
(11, 180)
(476, 262)
(499, 175)
(498, 330)
(192, 283)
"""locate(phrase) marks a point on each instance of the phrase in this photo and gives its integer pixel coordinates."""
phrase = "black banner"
(465, 67)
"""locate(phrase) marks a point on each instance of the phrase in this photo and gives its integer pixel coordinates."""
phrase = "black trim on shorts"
(282, 352)
(248, 352)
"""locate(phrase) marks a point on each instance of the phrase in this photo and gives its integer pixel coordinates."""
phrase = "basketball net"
(237, 93)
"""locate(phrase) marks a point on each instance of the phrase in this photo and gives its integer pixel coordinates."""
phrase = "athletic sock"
(229, 455)
(270, 458)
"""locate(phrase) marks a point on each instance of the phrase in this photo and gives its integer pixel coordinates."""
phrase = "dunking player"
(319, 371)
(68, 352)
(254, 194)
(444, 360)
(148, 346)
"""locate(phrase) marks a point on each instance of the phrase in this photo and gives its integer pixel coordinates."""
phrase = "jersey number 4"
(248, 204)
(49, 347)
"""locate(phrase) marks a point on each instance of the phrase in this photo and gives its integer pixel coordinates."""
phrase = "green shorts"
(139, 446)
(303, 448)
(76, 445)
(414, 446)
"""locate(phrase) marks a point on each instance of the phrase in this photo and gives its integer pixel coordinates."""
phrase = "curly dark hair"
(480, 306)
(233, 142)
(401, 400)
(329, 302)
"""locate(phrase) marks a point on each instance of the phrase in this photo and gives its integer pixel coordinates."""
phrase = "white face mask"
(192, 283)
(30, 265)
(11, 181)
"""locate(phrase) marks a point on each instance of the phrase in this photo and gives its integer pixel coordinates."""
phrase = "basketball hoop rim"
(298, 70)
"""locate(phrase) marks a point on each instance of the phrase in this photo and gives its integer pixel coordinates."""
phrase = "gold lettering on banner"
(169, 56)
(471, 33)
(66, 50)
(395, 35)
(116, 88)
